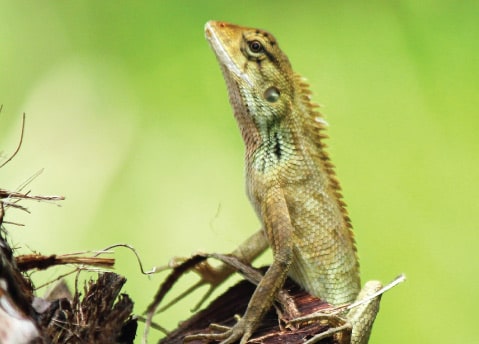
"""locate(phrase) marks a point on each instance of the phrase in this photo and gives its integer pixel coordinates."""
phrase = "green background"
(128, 115)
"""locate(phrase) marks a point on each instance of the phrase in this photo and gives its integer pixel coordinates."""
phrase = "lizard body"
(289, 178)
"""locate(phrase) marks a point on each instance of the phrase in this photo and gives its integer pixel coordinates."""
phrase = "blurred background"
(127, 114)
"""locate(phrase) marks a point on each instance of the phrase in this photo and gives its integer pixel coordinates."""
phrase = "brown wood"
(234, 301)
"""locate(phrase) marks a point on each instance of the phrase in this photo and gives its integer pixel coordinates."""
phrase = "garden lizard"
(290, 181)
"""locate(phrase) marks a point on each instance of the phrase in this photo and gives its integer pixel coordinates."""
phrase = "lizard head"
(258, 74)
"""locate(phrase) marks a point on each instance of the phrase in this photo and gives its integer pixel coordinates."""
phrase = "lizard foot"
(335, 322)
(241, 331)
(209, 275)
(329, 333)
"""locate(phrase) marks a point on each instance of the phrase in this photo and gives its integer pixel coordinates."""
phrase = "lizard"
(290, 182)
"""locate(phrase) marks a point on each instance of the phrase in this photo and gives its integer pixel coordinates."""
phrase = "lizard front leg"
(278, 227)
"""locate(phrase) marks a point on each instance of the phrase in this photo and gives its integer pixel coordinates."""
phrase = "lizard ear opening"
(271, 94)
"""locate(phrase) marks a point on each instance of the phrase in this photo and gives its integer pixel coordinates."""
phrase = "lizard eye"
(271, 94)
(255, 46)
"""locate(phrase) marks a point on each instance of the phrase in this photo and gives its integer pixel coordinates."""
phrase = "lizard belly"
(330, 282)
(324, 255)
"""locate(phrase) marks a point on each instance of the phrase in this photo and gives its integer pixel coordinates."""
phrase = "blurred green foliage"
(128, 115)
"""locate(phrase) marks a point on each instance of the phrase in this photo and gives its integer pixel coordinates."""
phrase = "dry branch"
(233, 302)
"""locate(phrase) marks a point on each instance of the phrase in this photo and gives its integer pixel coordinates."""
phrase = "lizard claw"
(209, 275)
(335, 321)
(241, 331)
(213, 276)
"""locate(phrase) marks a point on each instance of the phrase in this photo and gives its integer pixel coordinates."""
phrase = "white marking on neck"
(223, 55)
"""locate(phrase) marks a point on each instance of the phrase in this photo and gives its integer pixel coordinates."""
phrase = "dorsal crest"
(314, 127)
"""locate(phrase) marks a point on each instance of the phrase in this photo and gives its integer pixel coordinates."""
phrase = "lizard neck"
(274, 147)
(267, 131)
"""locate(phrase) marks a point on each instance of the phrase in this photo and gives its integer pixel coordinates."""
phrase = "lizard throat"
(275, 148)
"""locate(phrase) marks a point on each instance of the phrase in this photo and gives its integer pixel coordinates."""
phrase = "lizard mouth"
(211, 33)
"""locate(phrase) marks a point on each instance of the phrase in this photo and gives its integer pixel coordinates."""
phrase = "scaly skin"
(290, 180)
